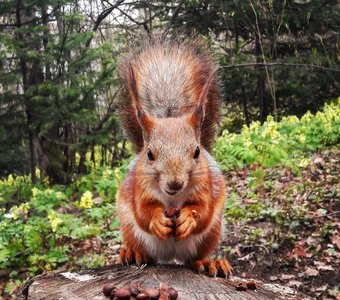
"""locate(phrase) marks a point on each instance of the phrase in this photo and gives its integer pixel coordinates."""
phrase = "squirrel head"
(171, 154)
(171, 145)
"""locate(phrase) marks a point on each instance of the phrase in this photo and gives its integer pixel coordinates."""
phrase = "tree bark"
(190, 285)
(261, 85)
(24, 74)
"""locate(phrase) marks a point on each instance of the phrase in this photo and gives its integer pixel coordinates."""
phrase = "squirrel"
(170, 109)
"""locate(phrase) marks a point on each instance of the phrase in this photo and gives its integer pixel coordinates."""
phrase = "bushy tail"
(169, 79)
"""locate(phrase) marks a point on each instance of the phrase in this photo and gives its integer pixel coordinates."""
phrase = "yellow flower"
(291, 120)
(301, 138)
(304, 162)
(59, 195)
(10, 180)
(118, 176)
(35, 191)
(49, 192)
(86, 200)
(254, 126)
(307, 117)
(54, 220)
(25, 207)
(13, 213)
(107, 173)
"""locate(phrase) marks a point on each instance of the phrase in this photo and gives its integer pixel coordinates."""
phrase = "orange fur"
(169, 172)
(189, 62)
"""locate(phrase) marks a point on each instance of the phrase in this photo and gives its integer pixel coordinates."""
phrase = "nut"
(251, 284)
(143, 296)
(153, 292)
(173, 294)
(123, 293)
(164, 296)
(171, 212)
(134, 289)
(241, 286)
(107, 288)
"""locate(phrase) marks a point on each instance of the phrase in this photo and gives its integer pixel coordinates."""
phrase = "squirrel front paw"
(185, 224)
(161, 227)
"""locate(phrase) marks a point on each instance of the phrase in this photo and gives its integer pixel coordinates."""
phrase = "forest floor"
(285, 231)
(290, 234)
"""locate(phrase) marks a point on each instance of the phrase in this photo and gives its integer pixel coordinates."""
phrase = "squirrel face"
(172, 155)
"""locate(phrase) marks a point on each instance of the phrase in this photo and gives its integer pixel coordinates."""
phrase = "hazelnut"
(153, 292)
(164, 296)
(251, 284)
(171, 212)
(123, 293)
(107, 288)
(173, 294)
(143, 296)
(241, 286)
(134, 289)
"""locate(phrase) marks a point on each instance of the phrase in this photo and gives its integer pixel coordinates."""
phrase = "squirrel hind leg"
(128, 256)
(219, 267)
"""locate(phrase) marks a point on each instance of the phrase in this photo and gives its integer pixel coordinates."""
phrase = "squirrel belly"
(170, 111)
(136, 234)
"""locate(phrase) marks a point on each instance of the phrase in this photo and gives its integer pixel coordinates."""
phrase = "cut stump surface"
(190, 285)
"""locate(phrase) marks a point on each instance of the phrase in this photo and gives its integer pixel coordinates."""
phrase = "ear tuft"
(197, 117)
(145, 121)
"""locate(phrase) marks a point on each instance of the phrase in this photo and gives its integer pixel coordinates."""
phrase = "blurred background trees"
(58, 84)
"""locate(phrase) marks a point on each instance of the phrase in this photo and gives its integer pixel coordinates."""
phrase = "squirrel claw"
(220, 267)
(128, 256)
(185, 225)
(161, 227)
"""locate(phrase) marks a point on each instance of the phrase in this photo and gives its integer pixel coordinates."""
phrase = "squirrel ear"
(145, 121)
(197, 117)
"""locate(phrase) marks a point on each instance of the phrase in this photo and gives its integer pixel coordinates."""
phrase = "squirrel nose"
(174, 185)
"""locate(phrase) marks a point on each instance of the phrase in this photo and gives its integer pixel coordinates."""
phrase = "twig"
(173, 17)
(270, 79)
(280, 64)
(101, 17)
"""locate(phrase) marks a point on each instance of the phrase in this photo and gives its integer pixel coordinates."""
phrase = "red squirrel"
(170, 110)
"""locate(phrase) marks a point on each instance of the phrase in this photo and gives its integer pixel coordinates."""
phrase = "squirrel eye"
(150, 155)
(197, 153)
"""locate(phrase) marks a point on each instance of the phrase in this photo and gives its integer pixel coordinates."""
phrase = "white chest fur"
(171, 250)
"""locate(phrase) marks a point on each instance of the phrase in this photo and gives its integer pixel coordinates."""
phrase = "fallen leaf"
(287, 276)
(298, 251)
(336, 240)
(322, 266)
(322, 288)
(311, 272)
(292, 283)
(97, 200)
(278, 186)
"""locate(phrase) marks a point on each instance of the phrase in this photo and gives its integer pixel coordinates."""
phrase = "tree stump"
(190, 285)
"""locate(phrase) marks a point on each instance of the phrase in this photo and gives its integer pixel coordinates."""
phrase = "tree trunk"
(190, 285)
(263, 107)
(24, 74)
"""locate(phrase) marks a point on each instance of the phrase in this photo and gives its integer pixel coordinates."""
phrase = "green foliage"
(40, 222)
(94, 261)
(279, 143)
